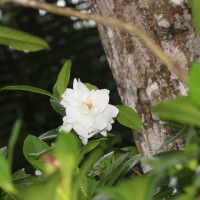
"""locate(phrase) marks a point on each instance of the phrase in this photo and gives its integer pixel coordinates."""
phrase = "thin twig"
(130, 28)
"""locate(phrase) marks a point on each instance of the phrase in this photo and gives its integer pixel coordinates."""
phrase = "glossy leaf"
(180, 110)
(49, 135)
(128, 117)
(20, 40)
(19, 175)
(28, 89)
(63, 77)
(33, 148)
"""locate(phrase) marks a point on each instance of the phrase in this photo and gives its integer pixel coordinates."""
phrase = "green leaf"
(49, 135)
(170, 139)
(163, 161)
(13, 139)
(3, 151)
(91, 186)
(20, 40)
(195, 5)
(194, 83)
(114, 169)
(33, 148)
(5, 178)
(63, 77)
(179, 110)
(57, 107)
(19, 175)
(107, 193)
(85, 168)
(140, 188)
(90, 86)
(66, 152)
(164, 193)
(128, 117)
(29, 89)
(43, 189)
(102, 164)
(122, 170)
(91, 145)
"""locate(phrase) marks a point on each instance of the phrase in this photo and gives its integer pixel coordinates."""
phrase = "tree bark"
(141, 79)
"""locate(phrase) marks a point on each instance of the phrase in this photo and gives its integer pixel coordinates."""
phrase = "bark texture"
(141, 79)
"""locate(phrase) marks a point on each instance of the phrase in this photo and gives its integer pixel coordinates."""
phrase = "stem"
(130, 28)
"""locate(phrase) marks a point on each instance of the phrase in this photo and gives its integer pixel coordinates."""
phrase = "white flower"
(87, 112)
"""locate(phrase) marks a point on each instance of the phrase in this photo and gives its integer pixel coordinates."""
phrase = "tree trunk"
(141, 79)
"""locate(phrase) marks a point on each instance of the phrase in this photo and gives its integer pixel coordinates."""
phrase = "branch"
(130, 28)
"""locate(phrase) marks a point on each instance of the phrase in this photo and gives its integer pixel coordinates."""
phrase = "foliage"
(195, 6)
(52, 161)
(20, 40)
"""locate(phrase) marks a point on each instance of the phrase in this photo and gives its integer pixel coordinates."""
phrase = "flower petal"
(99, 99)
(100, 122)
(81, 131)
(86, 121)
(84, 140)
(66, 127)
(72, 112)
(82, 89)
(110, 112)
(104, 133)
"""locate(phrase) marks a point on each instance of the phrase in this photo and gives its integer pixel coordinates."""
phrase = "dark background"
(68, 39)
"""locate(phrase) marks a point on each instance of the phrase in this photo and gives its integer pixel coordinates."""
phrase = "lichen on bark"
(141, 79)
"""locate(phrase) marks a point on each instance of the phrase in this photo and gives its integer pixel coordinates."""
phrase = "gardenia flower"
(87, 112)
